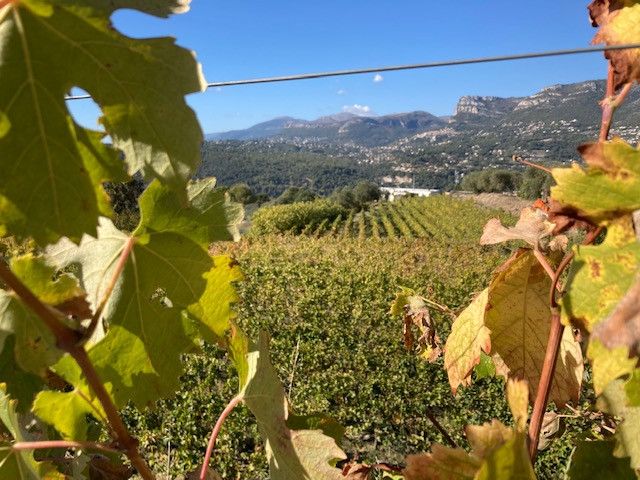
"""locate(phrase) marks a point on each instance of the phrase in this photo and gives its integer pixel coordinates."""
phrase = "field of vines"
(325, 302)
(408, 218)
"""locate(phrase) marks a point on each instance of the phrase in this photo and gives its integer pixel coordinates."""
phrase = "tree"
(241, 193)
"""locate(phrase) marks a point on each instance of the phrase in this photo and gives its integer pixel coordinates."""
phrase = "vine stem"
(551, 354)
(216, 430)
(610, 103)
(432, 418)
(62, 444)
(68, 340)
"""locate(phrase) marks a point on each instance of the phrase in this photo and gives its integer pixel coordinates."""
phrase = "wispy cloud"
(356, 109)
(342, 91)
(377, 78)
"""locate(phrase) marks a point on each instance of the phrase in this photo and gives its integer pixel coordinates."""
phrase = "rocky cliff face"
(485, 106)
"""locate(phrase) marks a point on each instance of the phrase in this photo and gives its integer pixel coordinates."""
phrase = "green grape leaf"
(138, 84)
(609, 187)
(632, 388)
(485, 368)
(19, 464)
(518, 316)
(20, 385)
(169, 284)
(608, 364)
(615, 402)
(163, 276)
(35, 346)
(469, 337)
(209, 216)
(601, 275)
(595, 459)
(291, 453)
(619, 24)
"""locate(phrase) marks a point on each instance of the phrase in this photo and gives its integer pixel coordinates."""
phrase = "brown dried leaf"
(551, 428)
(619, 22)
(442, 464)
(532, 226)
(356, 471)
(103, 468)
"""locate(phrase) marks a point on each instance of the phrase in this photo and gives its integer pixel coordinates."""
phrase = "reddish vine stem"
(610, 103)
(68, 340)
(551, 355)
(214, 433)
(607, 108)
(63, 444)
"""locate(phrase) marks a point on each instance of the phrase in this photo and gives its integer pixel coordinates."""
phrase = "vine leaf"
(34, 345)
(469, 337)
(518, 316)
(601, 275)
(166, 275)
(415, 313)
(614, 401)
(595, 459)
(209, 215)
(619, 23)
(303, 454)
(608, 188)
(532, 226)
(19, 464)
(622, 327)
(497, 452)
(138, 85)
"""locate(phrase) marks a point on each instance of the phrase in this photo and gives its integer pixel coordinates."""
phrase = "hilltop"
(416, 147)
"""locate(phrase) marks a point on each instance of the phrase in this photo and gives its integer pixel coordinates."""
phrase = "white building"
(397, 192)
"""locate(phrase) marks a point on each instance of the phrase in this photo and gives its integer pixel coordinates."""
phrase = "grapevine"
(94, 318)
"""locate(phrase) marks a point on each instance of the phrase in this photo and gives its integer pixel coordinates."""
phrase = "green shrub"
(491, 181)
(293, 218)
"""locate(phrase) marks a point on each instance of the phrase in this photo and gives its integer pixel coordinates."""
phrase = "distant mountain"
(418, 148)
(340, 128)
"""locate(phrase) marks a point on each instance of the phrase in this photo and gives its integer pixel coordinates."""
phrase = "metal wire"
(415, 66)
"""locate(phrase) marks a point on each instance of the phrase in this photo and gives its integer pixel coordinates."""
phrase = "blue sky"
(237, 39)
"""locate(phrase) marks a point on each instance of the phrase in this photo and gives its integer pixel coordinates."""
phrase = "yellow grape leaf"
(485, 438)
(519, 319)
(601, 275)
(609, 187)
(619, 22)
(292, 454)
(608, 364)
(509, 461)
(468, 338)
(518, 398)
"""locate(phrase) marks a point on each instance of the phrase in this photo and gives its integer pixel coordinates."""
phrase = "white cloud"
(342, 91)
(218, 89)
(356, 109)
(377, 78)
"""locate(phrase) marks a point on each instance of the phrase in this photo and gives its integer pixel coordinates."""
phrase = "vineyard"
(441, 349)
(409, 218)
